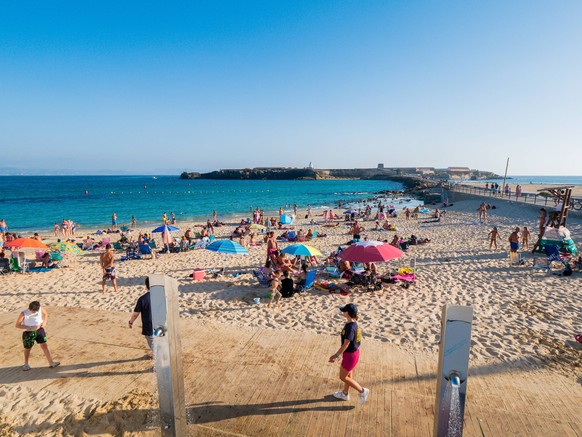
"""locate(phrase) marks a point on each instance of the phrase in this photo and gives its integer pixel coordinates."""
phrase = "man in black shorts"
(33, 320)
(144, 307)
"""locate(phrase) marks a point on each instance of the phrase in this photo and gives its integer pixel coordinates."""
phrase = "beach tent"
(286, 219)
(559, 237)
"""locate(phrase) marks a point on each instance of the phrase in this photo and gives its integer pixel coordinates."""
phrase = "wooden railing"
(530, 198)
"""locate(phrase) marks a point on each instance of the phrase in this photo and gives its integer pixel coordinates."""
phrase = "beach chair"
(146, 249)
(263, 280)
(4, 266)
(553, 262)
(309, 281)
(56, 258)
(333, 272)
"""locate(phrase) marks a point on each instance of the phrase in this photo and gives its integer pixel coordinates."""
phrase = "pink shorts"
(350, 360)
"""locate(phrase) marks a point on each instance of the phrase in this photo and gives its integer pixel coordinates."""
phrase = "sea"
(35, 203)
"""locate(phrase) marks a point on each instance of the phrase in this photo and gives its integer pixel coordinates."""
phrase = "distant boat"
(153, 177)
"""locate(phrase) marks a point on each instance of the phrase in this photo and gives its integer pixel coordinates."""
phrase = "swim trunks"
(29, 337)
(2, 230)
(514, 246)
(109, 273)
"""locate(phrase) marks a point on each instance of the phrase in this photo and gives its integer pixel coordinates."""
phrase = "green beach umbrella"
(66, 247)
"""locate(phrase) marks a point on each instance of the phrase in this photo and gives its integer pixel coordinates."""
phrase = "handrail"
(529, 198)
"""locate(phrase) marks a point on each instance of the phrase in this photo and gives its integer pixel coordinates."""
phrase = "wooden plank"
(306, 393)
(270, 383)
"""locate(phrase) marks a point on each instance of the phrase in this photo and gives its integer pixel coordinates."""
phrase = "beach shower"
(168, 355)
(452, 372)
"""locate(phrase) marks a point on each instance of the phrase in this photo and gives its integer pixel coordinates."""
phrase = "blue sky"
(150, 87)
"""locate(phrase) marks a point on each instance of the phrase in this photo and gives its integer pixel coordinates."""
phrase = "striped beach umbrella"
(66, 247)
(301, 250)
(227, 246)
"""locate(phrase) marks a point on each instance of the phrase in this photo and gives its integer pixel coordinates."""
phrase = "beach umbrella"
(370, 251)
(301, 250)
(286, 219)
(350, 211)
(166, 228)
(25, 243)
(66, 247)
(256, 227)
(227, 246)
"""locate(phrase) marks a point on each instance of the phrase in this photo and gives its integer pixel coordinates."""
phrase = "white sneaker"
(341, 395)
(364, 396)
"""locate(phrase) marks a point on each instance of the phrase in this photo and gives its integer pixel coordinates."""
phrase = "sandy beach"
(520, 314)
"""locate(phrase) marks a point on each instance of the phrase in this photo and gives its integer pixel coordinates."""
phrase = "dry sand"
(519, 313)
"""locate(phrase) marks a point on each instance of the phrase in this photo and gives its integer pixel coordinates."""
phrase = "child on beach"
(525, 237)
(493, 237)
(275, 286)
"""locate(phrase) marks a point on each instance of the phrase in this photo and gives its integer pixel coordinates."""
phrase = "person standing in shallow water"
(349, 352)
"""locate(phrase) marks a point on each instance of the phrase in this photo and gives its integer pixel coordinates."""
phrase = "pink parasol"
(370, 251)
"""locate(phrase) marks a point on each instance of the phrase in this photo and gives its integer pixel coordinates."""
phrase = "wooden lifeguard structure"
(557, 217)
(561, 196)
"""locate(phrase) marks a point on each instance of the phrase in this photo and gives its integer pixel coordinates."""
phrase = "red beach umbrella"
(370, 251)
(25, 243)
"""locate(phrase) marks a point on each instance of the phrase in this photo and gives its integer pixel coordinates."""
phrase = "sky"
(165, 87)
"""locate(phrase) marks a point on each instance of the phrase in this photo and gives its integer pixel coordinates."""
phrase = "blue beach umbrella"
(301, 250)
(164, 228)
(227, 246)
(351, 211)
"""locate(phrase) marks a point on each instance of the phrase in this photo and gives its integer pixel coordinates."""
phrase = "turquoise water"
(36, 202)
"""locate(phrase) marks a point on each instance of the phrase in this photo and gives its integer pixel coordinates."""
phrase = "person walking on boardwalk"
(33, 320)
(349, 351)
(144, 307)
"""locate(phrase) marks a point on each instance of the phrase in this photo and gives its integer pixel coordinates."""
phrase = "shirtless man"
(514, 245)
(272, 245)
(356, 230)
(106, 260)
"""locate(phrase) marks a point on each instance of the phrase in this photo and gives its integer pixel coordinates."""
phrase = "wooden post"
(504, 178)
(168, 355)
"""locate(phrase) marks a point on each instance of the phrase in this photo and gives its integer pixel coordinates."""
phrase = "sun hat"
(350, 308)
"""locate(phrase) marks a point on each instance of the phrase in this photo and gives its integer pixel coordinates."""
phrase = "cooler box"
(198, 274)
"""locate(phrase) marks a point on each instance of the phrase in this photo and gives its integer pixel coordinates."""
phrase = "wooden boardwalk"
(258, 382)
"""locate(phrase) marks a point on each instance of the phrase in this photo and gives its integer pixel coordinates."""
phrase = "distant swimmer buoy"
(145, 186)
(86, 192)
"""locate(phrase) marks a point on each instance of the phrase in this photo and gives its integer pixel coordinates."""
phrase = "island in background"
(407, 175)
